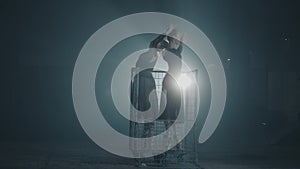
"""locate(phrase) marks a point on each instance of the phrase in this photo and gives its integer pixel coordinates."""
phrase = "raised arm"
(160, 38)
(179, 49)
(182, 40)
(155, 42)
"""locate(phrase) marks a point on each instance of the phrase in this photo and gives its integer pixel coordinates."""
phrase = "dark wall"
(40, 41)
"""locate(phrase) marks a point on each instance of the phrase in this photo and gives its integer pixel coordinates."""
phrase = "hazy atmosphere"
(258, 44)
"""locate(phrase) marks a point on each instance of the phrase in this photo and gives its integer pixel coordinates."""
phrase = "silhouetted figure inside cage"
(144, 82)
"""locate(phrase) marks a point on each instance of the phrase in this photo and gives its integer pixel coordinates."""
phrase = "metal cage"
(185, 151)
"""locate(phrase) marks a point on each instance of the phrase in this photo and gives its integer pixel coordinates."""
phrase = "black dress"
(170, 85)
(144, 80)
(143, 83)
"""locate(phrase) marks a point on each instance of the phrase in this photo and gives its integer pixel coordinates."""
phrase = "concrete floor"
(56, 155)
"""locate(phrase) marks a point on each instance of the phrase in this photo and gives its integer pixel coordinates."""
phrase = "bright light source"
(184, 81)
